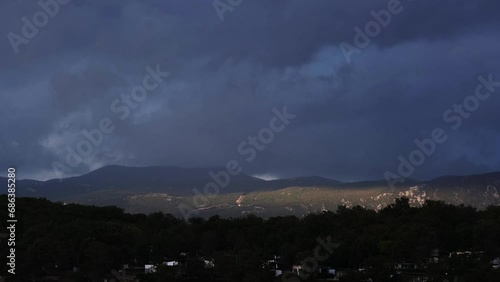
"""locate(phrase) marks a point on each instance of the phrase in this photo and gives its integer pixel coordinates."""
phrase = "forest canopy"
(86, 243)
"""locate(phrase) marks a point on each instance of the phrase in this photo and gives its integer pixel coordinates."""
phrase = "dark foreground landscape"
(434, 242)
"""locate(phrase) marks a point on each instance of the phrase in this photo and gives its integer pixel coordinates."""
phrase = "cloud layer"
(353, 119)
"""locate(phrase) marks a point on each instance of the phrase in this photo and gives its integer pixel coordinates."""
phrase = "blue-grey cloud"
(353, 119)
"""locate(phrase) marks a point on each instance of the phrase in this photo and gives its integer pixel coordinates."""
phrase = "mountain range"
(173, 190)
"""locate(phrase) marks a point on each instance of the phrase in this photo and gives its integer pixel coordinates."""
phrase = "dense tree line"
(53, 238)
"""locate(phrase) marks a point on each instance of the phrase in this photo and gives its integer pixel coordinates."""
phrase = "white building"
(149, 268)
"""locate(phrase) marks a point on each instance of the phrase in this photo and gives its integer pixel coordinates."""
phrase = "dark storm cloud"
(74, 88)
(353, 120)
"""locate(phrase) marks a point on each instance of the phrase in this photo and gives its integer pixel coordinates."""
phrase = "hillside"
(150, 189)
(84, 243)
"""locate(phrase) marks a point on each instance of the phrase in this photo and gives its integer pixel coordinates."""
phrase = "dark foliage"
(53, 239)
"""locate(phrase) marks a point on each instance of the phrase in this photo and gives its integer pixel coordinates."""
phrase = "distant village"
(178, 267)
(404, 270)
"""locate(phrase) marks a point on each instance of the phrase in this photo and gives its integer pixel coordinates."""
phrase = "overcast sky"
(227, 73)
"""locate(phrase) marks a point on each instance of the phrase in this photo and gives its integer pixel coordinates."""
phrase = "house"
(277, 272)
(302, 271)
(495, 263)
(297, 270)
(460, 254)
(149, 268)
(305, 269)
(274, 265)
(171, 263)
(273, 262)
(208, 262)
(467, 255)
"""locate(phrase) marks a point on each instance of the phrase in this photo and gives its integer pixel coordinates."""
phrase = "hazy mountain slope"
(149, 189)
(303, 181)
(292, 200)
(165, 179)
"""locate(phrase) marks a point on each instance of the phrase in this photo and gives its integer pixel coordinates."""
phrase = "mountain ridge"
(165, 188)
(147, 177)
